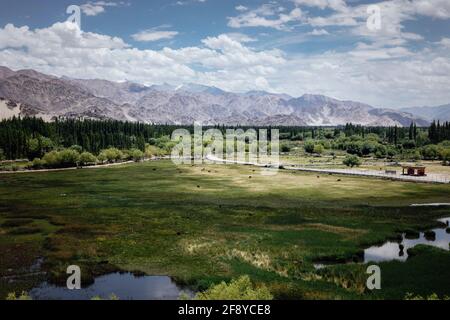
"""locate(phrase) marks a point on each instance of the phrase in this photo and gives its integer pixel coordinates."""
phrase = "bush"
(61, 159)
(352, 161)
(444, 154)
(309, 146)
(77, 148)
(38, 164)
(68, 158)
(136, 154)
(285, 148)
(355, 147)
(319, 149)
(87, 158)
(153, 151)
(111, 155)
(101, 158)
(434, 296)
(430, 152)
(51, 159)
(22, 296)
(238, 289)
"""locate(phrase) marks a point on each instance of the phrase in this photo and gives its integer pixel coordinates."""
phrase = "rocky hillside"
(49, 97)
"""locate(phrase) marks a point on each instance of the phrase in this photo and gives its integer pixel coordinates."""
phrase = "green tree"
(136, 154)
(61, 159)
(445, 157)
(352, 161)
(87, 158)
(285, 148)
(38, 164)
(309, 146)
(51, 159)
(68, 158)
(77, 148)
(430, 152)
(318, 149)
(153, 151)
(112, 154)
(101, 158)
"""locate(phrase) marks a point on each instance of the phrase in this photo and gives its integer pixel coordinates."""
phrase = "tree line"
(31, 137)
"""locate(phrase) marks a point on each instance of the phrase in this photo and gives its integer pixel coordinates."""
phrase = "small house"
(415, 171)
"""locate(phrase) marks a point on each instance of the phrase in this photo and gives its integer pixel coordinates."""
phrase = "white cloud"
(240, 37)
(319, 32)
(338, 5)
(439, 9)
(187, 2)
(63, 49)
(241, 8)
(445, 42)
(95, 8)
(267, 15)
(380, 69)
(153, 35)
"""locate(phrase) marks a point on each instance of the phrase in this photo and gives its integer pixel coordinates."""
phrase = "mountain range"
(28, 92)
(441, 113)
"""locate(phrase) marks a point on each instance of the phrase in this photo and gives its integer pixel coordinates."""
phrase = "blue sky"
(289, 46)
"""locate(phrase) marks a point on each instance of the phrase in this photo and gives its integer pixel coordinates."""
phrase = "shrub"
(136, 154)
(355, 147)
(61, 159)
(77, 148)
(309, 146)
(87, 158)
(285, 148)
(51, 159)
(22, 296)
(319, 149)
(238, 289)
(444, 154)
(411, 296)
(153, 151)
(352, 161)
(68, 158)
(101, 158)
(430, 152)
(112, 155)
(38, 164)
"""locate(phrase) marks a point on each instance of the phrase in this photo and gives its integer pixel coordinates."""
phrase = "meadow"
(207, 223)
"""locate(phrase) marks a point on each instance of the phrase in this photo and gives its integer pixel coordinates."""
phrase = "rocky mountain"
(28, 92)
(441, 113)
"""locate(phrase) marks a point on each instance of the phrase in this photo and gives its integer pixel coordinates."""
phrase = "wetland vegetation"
(204, 226)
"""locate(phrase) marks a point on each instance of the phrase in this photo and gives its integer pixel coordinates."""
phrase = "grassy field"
(204, 224)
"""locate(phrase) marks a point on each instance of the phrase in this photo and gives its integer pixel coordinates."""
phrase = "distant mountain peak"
(185, 104)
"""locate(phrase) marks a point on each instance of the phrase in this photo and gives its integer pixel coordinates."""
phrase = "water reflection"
(398, 250)
(125, 286)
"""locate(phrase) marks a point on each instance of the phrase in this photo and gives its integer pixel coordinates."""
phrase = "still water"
(125, 286)
(398, 250)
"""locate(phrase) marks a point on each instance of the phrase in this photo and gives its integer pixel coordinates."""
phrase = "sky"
(388, 54)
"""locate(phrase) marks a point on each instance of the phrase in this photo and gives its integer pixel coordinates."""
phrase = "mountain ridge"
(50, 97)
(441, 113)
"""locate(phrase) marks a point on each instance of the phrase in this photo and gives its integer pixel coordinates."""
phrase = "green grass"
(205, 224)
